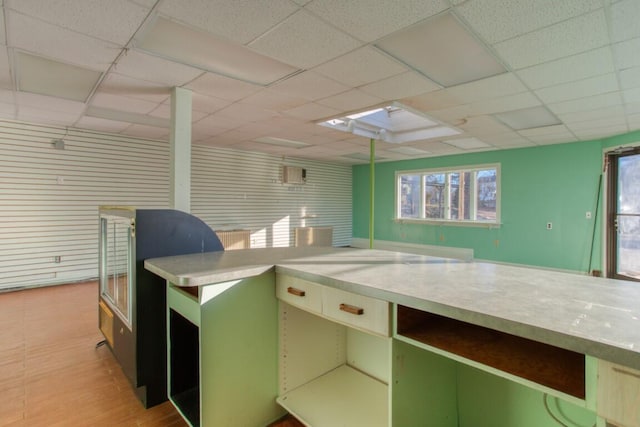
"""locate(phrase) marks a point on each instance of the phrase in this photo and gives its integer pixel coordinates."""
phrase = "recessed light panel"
(45, 77)
(528, 118)
(394, 123)
(207, 52)
(443, 50)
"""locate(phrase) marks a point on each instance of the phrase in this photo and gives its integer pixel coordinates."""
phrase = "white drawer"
(300, 293)
(618, 397)
(354, 310)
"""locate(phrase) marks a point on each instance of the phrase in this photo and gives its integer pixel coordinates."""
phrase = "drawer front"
(300, 293)
(618, 397)
(358, 311)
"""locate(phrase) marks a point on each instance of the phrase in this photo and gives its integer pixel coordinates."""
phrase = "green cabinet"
(230, 332)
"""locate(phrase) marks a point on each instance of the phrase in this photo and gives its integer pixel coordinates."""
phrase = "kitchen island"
(463, 329)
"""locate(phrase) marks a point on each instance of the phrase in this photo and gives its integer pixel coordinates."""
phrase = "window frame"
(447, 215)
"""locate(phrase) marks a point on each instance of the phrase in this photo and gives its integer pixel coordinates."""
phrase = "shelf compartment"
(343, 396)
(553, 367)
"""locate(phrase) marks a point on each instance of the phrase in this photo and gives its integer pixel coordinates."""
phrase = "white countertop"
(595, 316)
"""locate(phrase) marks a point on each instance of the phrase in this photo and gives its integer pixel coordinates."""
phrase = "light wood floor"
(51, 374)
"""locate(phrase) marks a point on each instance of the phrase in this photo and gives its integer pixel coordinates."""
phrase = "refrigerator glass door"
(116, 269)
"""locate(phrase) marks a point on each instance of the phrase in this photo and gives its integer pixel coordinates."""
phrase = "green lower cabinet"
(486, 400)
(430, 390)
(223, 352)
(423, 388)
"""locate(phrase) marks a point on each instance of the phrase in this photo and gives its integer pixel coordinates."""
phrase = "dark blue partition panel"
(159, 233)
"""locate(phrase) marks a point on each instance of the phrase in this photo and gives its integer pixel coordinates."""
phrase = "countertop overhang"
(594, 316)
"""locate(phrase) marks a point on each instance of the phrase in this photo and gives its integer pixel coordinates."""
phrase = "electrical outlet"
(549, 226)
(57, 259)
(588, 215)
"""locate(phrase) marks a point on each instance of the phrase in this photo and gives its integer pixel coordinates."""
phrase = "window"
(468, 194)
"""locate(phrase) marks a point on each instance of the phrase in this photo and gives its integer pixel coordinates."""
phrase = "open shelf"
(341, 397)
(553, 367)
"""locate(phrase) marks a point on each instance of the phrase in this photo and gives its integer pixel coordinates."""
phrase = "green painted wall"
(554, 183)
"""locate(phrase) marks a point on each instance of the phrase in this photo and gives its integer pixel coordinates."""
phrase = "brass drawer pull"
(358, 311)
(296, 292)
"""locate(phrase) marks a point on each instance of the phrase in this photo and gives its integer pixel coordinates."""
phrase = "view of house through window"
(469, 194)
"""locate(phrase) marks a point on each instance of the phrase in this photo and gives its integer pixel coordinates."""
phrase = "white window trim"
(447, 221)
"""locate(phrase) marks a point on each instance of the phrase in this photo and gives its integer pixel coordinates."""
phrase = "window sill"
(489, 225)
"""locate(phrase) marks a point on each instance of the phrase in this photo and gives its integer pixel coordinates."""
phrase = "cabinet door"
(618, 394)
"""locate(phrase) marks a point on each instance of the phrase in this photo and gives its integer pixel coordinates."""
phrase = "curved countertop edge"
(323, 267)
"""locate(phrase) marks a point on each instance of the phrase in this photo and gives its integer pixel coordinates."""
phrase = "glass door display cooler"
(132, 300)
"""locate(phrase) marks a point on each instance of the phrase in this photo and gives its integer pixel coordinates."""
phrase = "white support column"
(180, 158)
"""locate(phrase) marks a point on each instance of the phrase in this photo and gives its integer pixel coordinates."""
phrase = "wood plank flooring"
(52, 375)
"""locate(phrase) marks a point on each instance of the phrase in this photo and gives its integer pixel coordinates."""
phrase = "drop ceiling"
(270, 70)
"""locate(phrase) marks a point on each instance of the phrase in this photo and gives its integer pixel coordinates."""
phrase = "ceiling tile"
(7, 96)
(588, 64)
(207, 104)
(3, 29)
(506, 103)
(627, 53)
(248, 112)
(509, 140)
(597, 123)
(436, 100)
(350, 101)
(304, 41)
(491, 87)
(222, 87)
(633, 122)
(483, 125)
(553, 138)
(49, 103)
(101, 125)
(58, 43)
(625, 16)
(545, 130)
(467, 143)
(240, 21)
(360, 67)
(368, 21)
(122, 103)
(570, 37)
(215, 121)
(600, 132)
(149, 132)
(632, 108)
(631, 96)
(274, 100)
(309, 85)
(589, 103)
(115, 21)
(629, 78)
(579, 89)
(597, 113)
(312, 111)
(153, 69)
(400, 86)
(436, 147)
(6, 82)
(118, 84)
(146, 3)
(517, 17)
(46, 116)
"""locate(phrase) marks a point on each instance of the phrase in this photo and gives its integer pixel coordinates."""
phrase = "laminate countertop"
(594, 316)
